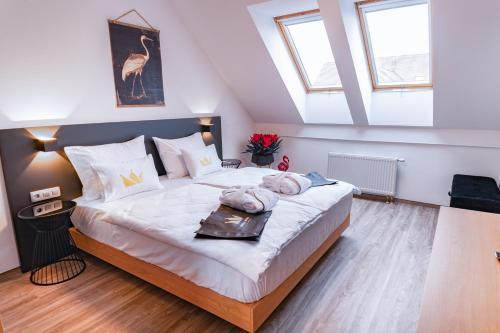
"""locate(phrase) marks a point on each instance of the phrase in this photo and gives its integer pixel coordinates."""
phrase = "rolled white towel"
(250, 199)
(288, 183)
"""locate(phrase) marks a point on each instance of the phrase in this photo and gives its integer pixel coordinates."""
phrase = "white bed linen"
(209, 273)
(321, 197)
(245, 275)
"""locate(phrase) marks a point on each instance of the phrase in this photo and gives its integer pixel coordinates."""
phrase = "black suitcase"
(475, 193)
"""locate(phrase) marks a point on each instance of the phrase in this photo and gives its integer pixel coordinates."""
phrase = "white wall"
(465, 96)
(313, 108)
(226, 32)
(253, 59)
(8, 250)
(402, 108)
(432, 156)
(466, 71)
(56, 69)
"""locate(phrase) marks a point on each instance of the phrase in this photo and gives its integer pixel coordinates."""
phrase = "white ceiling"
(466, 45)
(466, 70)
(226, 32)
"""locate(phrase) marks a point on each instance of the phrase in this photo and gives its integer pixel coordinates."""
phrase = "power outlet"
(47, 207)
(45, 194)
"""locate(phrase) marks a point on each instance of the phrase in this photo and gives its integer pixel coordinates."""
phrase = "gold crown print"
(206, 161)
(233, 219)
(132, 179)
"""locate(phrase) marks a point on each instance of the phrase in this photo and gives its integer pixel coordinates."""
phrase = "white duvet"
(172, 216)
(321, 197)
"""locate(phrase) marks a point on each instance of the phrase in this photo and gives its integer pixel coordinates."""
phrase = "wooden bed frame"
(248, 316)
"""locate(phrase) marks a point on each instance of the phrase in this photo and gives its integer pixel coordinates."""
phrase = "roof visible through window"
(306, 38)
(397, 42)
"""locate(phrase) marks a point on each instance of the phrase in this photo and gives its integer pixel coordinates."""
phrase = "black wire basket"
(55, 259)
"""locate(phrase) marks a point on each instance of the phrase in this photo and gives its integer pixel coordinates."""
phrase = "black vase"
(262, 160)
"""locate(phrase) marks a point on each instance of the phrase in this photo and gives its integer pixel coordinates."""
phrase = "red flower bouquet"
(263, 144)
(262, 147)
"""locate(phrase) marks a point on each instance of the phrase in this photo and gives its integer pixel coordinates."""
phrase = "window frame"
(383, 5)
(293, 52)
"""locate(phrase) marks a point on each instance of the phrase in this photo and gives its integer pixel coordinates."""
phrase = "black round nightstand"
(231, 163)
(56, 259)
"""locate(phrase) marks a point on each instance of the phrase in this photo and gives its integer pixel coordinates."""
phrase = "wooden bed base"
(248, 316)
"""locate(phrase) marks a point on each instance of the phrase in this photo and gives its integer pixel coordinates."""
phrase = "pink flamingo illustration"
(283, 166)
(134, 65)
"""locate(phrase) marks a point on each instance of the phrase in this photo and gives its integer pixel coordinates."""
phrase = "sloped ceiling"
(465, 46)
(466, 42)
(226, 32)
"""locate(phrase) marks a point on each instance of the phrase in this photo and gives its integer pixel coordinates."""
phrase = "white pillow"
(171, 155)
(202, 162)
(122, 179)
(82, 157)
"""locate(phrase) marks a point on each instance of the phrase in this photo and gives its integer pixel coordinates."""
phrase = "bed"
(213, 283)
(150, 235)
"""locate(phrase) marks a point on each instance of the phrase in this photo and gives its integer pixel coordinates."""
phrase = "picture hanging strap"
(138, 14)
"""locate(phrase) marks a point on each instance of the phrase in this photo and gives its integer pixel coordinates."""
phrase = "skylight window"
(306, 38)
(397, 41)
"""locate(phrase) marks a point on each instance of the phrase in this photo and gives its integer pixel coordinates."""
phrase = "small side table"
(231, 163)
(56, 259)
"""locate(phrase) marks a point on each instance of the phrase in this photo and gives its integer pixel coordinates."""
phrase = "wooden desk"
(462, 290)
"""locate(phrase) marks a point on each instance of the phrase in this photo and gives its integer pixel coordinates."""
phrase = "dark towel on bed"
(229, 223)
(318, 180)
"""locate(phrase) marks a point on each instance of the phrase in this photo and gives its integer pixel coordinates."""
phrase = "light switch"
(45, 194)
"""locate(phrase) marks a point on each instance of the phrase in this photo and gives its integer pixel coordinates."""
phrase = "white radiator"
(372, 174)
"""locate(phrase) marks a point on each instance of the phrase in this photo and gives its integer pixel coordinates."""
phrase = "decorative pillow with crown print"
(202, 162)
(123, 179)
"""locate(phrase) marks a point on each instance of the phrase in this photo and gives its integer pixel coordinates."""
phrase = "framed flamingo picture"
(136, 65)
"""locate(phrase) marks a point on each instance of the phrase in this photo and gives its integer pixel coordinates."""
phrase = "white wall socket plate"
(47, 207)
(45, 194)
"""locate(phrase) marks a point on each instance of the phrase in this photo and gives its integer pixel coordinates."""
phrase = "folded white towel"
(250, 199)
(287, 183)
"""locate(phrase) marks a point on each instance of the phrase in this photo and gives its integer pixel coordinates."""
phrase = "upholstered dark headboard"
(26, 169)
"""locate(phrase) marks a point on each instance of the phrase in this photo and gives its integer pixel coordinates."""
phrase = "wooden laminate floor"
(371, 281)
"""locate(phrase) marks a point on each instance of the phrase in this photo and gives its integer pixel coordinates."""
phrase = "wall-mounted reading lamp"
(46, 144)
(206, 128)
